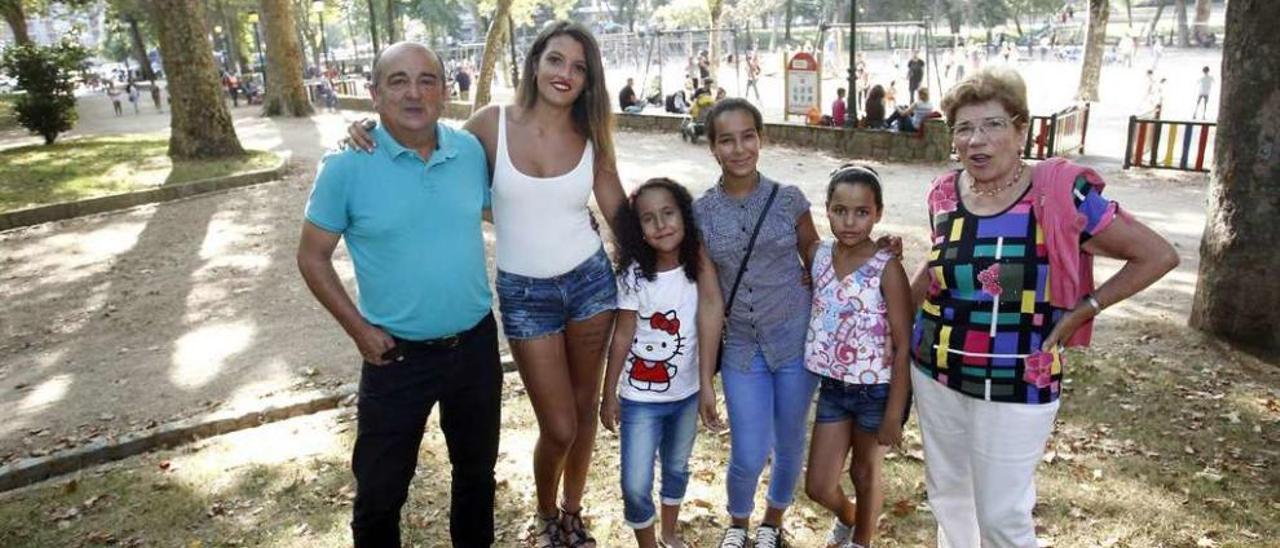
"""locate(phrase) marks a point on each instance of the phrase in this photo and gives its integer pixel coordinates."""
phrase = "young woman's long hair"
(633, 249)
(592, 111)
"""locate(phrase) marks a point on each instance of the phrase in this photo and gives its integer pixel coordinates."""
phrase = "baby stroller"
(695, 125)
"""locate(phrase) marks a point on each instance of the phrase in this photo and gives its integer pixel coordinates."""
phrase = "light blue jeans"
(767, 413)
(666, 430)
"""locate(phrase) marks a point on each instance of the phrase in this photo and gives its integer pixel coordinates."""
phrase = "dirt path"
(118, 321)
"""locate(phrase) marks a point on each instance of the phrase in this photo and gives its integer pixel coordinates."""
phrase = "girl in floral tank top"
(859, 331)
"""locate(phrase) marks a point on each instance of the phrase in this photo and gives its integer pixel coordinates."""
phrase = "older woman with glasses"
(1007, 283)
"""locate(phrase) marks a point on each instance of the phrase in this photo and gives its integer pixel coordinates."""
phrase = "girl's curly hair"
(632, 248)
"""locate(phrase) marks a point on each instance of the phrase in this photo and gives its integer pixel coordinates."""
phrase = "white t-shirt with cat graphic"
(663, 363)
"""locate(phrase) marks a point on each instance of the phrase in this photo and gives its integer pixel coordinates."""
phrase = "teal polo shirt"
(413, 230)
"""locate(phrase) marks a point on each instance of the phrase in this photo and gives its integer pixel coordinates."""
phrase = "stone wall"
(933, 144)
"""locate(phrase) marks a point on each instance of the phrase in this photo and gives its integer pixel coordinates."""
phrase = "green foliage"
(49, 105)
(991, 13)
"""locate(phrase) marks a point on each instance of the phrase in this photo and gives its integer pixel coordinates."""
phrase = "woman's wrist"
(1092, 303)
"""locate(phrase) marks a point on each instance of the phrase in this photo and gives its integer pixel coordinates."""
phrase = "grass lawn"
(87, 168)
(1168, 440)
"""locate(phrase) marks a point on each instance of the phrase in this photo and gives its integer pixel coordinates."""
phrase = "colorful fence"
(351, 87)
(1169, 144)
(1057, 134)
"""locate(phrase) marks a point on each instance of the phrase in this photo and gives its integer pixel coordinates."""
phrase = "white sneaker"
(840, 535)
(734, 537)
(768, 536)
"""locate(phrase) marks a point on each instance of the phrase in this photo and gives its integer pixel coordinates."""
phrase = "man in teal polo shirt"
(411, 215)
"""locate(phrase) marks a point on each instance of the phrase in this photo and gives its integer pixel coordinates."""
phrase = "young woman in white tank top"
(550, 151)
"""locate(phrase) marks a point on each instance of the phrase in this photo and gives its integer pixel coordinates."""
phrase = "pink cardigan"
(1070, 267)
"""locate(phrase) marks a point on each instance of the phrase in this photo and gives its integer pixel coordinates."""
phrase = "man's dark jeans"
(395, 400)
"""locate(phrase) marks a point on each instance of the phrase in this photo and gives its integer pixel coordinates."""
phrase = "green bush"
(45, 72)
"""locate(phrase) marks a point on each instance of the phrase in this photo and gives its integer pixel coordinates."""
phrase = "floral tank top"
(848, 336)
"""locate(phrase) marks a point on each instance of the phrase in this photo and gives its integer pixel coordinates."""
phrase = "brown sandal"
(548, 534)
(575, 531)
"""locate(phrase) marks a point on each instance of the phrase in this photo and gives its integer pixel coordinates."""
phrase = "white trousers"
(980, 461)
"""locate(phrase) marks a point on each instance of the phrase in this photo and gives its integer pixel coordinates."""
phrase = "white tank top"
(543, 225)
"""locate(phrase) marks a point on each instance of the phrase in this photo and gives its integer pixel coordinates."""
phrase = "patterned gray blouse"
(772, 306)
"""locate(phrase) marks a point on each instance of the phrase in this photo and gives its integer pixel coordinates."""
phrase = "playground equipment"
(887, 35)
(1168, 144)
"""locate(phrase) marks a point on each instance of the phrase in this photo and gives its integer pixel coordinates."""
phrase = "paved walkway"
(118, 321)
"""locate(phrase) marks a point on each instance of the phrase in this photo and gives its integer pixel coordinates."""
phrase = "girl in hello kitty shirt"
(658, 375)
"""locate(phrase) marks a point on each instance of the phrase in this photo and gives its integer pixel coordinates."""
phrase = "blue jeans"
(767, 412)
(863, 403)
(537, 307)
(666, 429)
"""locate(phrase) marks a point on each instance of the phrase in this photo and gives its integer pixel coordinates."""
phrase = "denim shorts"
(864, 403)
(537, 307)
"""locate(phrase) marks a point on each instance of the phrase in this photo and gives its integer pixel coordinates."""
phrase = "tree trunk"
(373, 29)
(1201, 28)
(493, 42)
(790, 11)
(139, 48)
(232, 36)
(1156, 20)
(1237, 297)
(715, 8)
(199, 122)
(13, 14)
(1095, 41)
(391, 22)
(1184, 39)
(954, 17)
(286, 94)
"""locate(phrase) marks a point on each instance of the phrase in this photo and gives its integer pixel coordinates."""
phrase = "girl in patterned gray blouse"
(757, 230)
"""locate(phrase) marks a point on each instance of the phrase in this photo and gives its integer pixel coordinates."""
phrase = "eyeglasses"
(965, 131)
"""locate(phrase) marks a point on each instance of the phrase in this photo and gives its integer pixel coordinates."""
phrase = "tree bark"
(1201, 28)
(286, 94)
(139, 48)
(232, 36)
(16, 17)
(373, 29)
(787, 23)
(495, 39)
(1156, 20)
(1237, 297)
(1184, 39)
(199, 121)
(1095, 41)
(391, 22)
(715, 8)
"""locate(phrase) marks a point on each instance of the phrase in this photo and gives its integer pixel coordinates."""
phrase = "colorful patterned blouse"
(849, 327)
(987, 309)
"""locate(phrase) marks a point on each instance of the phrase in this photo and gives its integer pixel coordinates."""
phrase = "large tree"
(286, 93)
(1237, 296)
(1095, 41)
(1184, 39)
(493, 43)
(199, 121)
(1201, 28)
(15, 14)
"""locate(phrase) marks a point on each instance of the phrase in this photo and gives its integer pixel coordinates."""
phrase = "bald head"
(399, 50)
